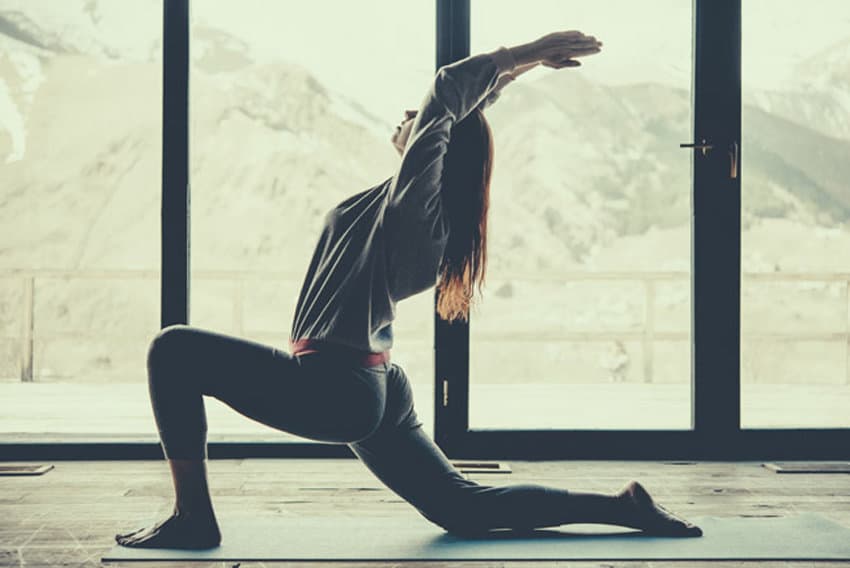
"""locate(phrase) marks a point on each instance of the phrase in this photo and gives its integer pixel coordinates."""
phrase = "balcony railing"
(646, 334)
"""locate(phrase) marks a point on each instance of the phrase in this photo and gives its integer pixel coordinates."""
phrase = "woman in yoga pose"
(424, 226)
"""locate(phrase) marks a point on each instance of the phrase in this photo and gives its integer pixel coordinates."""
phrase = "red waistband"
(363, 358)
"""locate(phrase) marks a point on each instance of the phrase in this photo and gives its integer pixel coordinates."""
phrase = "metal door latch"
(704, 146)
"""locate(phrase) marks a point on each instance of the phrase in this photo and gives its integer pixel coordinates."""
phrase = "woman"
(378, 247)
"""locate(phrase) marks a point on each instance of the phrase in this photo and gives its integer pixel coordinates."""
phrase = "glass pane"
(292, 110)
(585, 321)
(80, 154)
(795, 212)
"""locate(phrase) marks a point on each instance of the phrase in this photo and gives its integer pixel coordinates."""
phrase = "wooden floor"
(67, 517)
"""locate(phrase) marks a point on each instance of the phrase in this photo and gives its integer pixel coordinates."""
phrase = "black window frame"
(716, 432)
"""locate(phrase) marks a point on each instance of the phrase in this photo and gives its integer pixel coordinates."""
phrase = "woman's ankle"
(191, 489)
(198, 510)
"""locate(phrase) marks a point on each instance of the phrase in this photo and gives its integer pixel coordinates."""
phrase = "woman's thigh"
(310, 396)
(402, 455)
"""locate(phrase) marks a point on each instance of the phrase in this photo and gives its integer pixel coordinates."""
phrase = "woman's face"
(402, 131)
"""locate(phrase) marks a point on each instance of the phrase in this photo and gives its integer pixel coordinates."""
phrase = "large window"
(586, 319)
(795, 200)
(292, 111)
(587, 313)
(80, 154)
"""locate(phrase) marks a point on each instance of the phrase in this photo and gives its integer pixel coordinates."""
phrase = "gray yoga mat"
(803, 537)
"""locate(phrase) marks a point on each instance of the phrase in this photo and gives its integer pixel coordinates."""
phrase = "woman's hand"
(559, 49)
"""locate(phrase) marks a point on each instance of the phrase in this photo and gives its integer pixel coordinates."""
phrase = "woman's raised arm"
(554, 50)
(413, 215)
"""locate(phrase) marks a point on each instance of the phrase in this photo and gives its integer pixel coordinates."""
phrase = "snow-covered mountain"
(581, 167)
(81, 126)
(116, 30)
(588, 176)
(817, 93)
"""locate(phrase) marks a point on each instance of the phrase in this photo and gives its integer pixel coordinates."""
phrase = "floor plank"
(67, 516)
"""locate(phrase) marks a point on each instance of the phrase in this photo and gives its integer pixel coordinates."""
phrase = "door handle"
(733, 159)
(704, 146)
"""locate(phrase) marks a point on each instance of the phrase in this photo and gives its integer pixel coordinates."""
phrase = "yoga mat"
(21, 469)
(806, 536)
(808, 467)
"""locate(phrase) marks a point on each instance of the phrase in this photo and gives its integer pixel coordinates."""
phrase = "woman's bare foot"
(645, 514)
(180, 530)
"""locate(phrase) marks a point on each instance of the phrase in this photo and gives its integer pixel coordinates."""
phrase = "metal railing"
(647, 334)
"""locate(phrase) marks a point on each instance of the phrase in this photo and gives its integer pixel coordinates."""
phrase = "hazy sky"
(382, 51)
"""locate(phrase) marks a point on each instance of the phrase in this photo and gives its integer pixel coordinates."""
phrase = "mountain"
(581, 167)
(592, 182)
(816, 95)
(272, 149)
(588, 176)
(114, 30)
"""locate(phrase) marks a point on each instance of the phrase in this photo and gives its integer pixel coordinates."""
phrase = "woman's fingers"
(585, 51)
(579, 50)
(563, 39)
(562, 64)
(572, 37)
(558, 49)
(579, 44)
(589, 43)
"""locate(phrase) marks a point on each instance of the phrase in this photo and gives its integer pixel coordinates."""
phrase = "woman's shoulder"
(372, 197)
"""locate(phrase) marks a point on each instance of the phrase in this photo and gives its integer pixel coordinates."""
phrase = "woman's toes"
(125, 536)
(182, 531)
(649, 516)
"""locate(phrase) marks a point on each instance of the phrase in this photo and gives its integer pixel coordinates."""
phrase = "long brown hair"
(465, 193)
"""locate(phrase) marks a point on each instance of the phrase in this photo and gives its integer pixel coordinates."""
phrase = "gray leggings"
(316, 397)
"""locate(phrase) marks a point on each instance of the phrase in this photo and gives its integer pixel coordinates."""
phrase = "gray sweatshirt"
(385, 244)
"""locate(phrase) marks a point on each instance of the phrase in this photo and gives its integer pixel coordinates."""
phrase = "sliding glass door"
(80, 150)
(795, 213)
(644, 300)
(292, 112)
(585, 323)
(613, 324)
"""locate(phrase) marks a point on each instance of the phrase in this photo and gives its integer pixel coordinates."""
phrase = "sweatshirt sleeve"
(497, 91)
(416, 229)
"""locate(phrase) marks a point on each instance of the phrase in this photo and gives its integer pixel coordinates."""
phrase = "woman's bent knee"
(166, 344)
